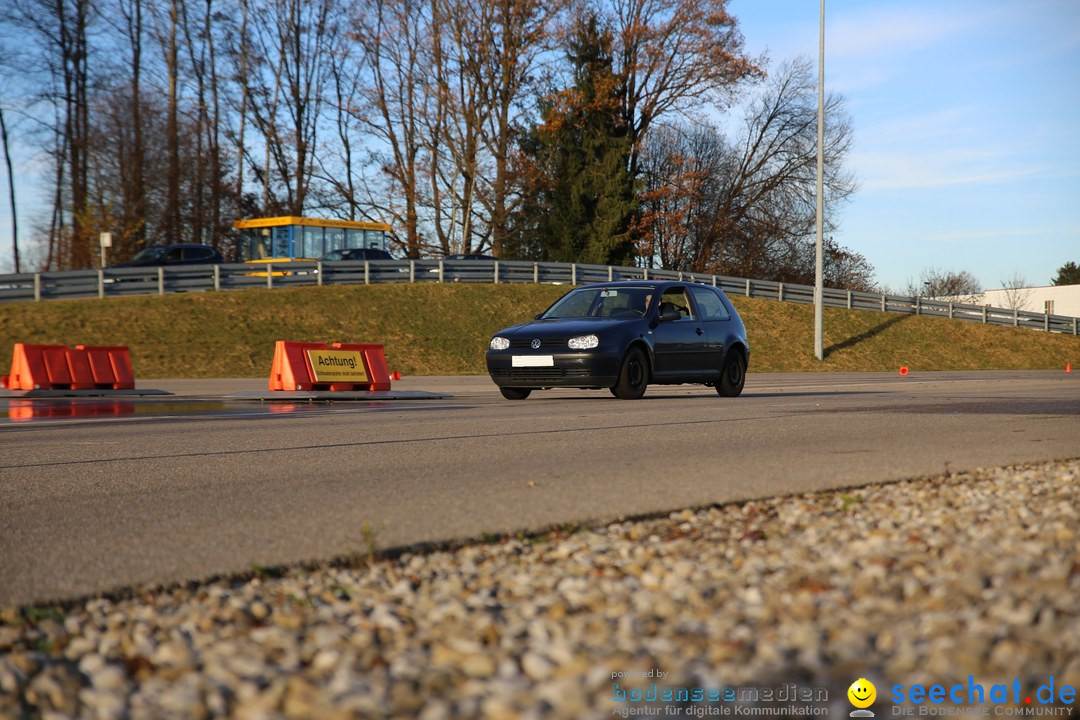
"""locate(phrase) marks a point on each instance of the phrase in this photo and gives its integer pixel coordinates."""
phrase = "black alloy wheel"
(733, 375)
(633, 377)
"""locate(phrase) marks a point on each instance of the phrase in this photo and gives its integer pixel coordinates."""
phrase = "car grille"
(520, 343)
(540, 373)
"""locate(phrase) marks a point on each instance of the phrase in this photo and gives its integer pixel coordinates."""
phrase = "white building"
(1052, 299)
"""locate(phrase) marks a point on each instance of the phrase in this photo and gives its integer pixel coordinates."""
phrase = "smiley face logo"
(862, 693)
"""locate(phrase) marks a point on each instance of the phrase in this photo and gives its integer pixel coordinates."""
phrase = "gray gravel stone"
(922, 581)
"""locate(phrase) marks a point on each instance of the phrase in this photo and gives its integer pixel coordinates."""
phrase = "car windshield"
(334, 255)
(602, 302)
(150, 253)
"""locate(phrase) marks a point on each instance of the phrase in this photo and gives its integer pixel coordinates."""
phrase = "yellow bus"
(291, 238)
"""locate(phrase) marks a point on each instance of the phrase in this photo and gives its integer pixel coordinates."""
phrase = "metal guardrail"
(115, 282)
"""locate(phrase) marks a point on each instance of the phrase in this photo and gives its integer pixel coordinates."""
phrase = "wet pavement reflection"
(42, 410)
(26, 410)
(23, 410)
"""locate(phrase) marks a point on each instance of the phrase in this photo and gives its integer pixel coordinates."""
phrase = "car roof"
(644, 283)
(180, 245)
(342, 251)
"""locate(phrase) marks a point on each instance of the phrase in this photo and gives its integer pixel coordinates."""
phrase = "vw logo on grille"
(535, 344)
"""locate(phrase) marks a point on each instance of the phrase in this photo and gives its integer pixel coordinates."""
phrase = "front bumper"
(573, 369)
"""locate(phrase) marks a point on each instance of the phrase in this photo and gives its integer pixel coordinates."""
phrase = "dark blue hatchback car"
(175, 254)
(625, 336)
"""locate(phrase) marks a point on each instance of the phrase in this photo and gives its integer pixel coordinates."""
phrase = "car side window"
(175, 255)
(709, 304)
(677, 298)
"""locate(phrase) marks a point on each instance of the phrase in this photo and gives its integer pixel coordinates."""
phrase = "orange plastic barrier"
(58, 367)
(292, 369)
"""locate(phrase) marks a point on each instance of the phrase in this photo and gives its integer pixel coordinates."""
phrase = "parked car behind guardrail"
(175, 254)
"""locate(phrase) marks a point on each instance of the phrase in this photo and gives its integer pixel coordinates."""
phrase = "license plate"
(533, 361)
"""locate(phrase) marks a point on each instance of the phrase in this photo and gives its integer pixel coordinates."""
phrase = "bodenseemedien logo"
(862, 694)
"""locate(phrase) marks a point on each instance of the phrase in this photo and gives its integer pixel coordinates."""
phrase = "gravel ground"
(923, 581)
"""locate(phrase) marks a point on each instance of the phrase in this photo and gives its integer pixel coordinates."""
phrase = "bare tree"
(241, 55)
(286, 71)
(682, 171)
(130, 231)
(340, 177)
(218, 223)
(195, 42)
(304, 41)
(134, 134)
(673, 55)
(747, 207)
(769, 197)
(429, 100)
(462, 113)
(935, 283)
(394, 37)
(1017, 292)
(58, 33)
(168, 33)
(516, 34)
(447, 84)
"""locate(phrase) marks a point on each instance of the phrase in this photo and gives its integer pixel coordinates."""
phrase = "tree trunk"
(214, 137)
(135, 195)
(172, 129)
(11, 193)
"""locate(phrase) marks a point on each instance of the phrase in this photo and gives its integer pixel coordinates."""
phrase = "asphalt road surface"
(98, 495)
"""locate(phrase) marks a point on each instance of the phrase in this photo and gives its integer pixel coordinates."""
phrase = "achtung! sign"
(337, 366)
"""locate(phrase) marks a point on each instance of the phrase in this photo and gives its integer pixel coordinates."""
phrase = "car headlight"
(499, 343)
(585, 342)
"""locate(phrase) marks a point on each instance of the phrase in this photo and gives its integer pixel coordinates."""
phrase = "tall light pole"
(819, 254)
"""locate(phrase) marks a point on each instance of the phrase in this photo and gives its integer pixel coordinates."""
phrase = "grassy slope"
(444, 329)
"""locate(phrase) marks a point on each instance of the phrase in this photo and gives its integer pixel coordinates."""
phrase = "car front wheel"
(633, 377)
(515, 393)
(733, 376)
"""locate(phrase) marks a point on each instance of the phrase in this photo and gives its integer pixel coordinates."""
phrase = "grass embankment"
(444, 330)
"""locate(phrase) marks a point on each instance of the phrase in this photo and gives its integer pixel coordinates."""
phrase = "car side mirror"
(537, 316)
(669, 315)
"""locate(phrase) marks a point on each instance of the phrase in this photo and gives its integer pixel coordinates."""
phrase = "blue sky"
(967, 128)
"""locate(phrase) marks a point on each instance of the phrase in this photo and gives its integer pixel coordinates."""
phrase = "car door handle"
(699, 331)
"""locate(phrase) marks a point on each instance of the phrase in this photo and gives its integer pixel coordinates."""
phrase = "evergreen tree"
(1068, 274)
(581, 201)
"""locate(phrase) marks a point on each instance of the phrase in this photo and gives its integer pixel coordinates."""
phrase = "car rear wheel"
(515, 393)
(733, 376)
(633, 377)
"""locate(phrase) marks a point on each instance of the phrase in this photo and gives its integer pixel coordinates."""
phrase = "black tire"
(733, 374)
(515, 393)
(633, 376)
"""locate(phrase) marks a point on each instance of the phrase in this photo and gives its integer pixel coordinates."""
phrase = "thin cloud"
(961, 237)
(946, 147)
(896, 30)
(903, 171)
(941, 124)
